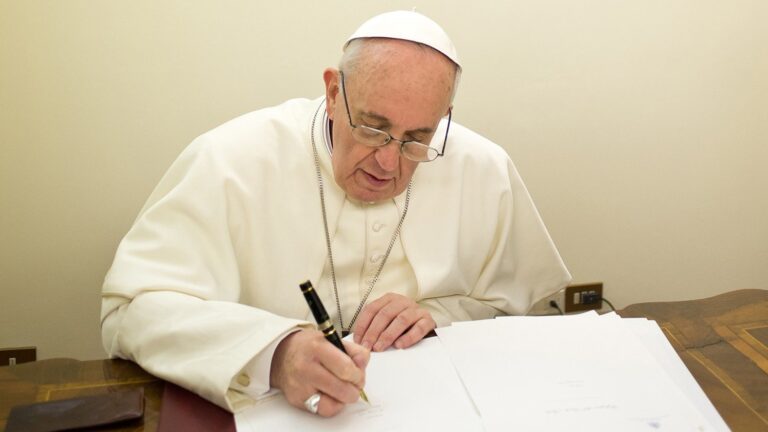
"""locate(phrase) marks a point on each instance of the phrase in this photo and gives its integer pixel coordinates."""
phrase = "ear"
(331, 78)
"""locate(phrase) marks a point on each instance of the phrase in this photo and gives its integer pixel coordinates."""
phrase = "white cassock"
(206, 282)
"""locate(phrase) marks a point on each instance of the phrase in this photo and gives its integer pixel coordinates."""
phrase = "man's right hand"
(305, 363)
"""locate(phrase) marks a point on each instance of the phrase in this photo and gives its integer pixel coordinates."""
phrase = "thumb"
(359, 354)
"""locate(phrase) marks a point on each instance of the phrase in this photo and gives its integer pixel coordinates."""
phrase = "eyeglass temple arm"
(447, 128)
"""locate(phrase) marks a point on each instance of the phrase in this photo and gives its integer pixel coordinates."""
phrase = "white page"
(565, 373)
(411, 389)
(657, 344)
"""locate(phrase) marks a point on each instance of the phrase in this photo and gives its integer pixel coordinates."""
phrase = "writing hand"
(305, 363)
(392, 319)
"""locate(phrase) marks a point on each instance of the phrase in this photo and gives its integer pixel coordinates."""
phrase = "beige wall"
(640, 127)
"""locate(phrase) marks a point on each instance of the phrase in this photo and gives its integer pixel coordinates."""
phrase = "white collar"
(326, 122)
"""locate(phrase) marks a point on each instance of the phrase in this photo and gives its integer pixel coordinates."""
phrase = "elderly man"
(403, 220)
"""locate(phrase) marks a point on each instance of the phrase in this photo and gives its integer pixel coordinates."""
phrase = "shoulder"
(289, 114)
(290, 119)
(465, 145)
(249, 149)
(269, 135)
(469, 156)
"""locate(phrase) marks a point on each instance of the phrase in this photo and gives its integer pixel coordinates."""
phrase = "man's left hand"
(392, 320)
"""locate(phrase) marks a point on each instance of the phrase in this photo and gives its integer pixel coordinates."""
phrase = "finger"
(328, 406)
(360, 355)
(401, 323)
(366, 317)
(381, 322)
(341, 391)
(342, 379)
(416, 332)
(340, 364)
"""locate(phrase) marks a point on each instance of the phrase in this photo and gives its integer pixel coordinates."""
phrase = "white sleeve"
(171, 301)
(202, 345)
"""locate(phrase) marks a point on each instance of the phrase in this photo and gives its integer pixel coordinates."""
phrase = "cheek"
(346, 157)
(350, 155)
(408, 168)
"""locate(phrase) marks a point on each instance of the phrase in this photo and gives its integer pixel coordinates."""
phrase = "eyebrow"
(385, 123)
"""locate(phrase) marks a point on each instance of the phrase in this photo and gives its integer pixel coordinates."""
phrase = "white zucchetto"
(410, 26)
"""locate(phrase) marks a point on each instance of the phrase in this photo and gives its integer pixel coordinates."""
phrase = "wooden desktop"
(723, 340)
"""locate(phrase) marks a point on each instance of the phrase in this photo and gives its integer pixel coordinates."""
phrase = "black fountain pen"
(323, 322)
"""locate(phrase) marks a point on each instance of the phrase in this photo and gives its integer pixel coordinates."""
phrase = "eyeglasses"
(372, 137)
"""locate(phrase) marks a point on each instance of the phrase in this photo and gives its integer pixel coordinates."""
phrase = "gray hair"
(352, 58)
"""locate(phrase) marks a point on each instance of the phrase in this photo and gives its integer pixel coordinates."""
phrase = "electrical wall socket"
(14, 356)
(583, 297)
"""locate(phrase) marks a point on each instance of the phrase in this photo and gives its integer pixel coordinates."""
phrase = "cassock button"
(377, 226)
(375, 258)
(244, 380)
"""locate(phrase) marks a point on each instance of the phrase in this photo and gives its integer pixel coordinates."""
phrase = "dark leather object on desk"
(723, 341)
(77, 413)
(182, 410)
(63, 378)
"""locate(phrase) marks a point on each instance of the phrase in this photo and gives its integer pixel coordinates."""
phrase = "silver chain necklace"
(328, 236)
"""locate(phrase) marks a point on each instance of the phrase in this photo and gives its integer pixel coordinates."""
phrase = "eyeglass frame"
(389, 136)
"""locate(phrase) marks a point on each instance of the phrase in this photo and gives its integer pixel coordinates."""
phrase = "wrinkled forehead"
(386, 64)
(381, 51)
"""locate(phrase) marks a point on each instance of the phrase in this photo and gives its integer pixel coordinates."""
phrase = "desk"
(723, 341)
(66, 378)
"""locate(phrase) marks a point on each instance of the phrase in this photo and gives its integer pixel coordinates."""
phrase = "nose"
(388, 156)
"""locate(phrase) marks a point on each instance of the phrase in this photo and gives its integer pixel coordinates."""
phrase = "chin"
(369, 196)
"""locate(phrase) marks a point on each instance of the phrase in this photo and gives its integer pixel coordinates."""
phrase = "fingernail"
(367, 345)
(378, 346)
